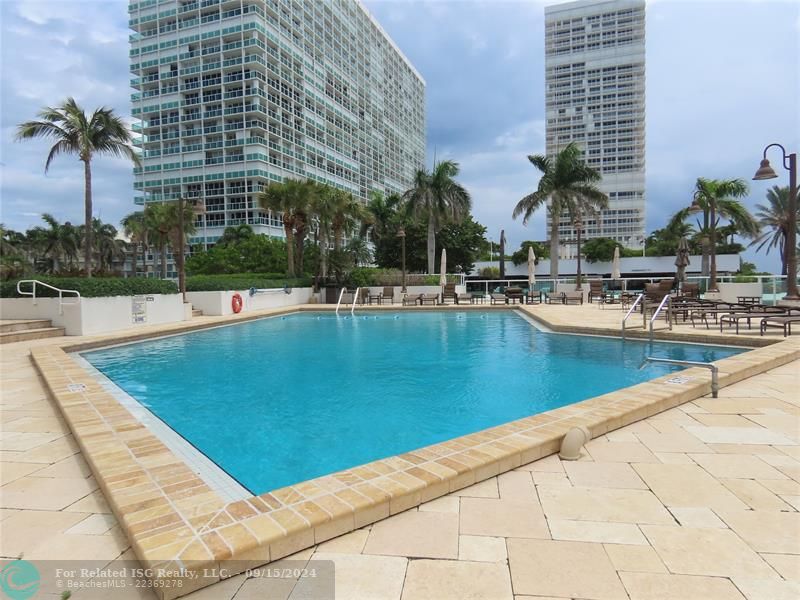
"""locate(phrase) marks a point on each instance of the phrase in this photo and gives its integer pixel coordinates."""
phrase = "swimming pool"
(281, 400)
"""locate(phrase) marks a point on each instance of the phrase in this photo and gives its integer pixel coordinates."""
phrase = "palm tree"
(716, 199)
(235, 234)
(134, 226)
(439, 199)
(291, 199)
(565, 180)
(323, 209)
(578, 207)
(775, 218)
(379, 213)
(76, 133)
(157, 224)
(58, 242)
(180, 219)
(104, 238)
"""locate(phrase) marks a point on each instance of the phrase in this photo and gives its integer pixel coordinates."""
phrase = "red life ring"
(236, 303)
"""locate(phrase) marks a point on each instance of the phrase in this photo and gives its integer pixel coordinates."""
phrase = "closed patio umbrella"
(531, 268)
(615, 274)
(443, 270)
(682, 260)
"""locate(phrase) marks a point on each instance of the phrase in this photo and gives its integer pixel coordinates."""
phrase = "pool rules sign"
(138, 309)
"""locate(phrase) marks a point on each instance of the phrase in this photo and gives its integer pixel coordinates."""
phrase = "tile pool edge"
(174, 520)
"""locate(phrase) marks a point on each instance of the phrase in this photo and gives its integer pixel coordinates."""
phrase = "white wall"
(219, 303)
(728, 292)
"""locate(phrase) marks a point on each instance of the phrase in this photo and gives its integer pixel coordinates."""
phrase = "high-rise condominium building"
(234, 94)
(595, 97)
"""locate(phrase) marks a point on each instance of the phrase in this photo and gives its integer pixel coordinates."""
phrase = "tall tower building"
(595, 97)
(234, 94)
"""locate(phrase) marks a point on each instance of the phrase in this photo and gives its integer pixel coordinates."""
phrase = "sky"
(723, 81)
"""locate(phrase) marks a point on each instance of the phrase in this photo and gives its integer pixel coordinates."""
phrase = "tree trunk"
(287, 229)
(163, 251)
(180, 257)
(712, 282)
(300, 240)
(323, 252)
(431, 247)
(578, 256)
(783, 259)
(144, 261)
(553, 248)
(87, 199)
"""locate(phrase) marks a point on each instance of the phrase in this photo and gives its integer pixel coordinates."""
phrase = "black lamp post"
(402, 235)
(767, 172)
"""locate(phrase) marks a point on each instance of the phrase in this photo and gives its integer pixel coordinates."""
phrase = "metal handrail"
(665, 300)
(355, 299)
(630, 310)
(344, 289)
(689, 363)
(61, 292)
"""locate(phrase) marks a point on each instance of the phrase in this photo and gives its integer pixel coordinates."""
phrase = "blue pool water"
(281, 400)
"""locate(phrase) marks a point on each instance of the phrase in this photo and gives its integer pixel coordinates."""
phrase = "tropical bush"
(490, 272)
(251, 254)
(242, 281)
(96, 287)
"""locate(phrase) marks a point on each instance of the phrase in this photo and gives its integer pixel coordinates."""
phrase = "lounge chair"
(464, 299)
(534, 297)
(780, 322)
(690, 290)
(411, 299)
(757, 312)
(596, 290)
(573, 297)
(514, 294)
(557, 297)
(428, 299)
(377, 296)
(497, 297)
(387, 294)
(449, 291)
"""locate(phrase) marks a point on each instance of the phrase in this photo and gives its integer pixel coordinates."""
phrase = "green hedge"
(96, 287)
(242, 281)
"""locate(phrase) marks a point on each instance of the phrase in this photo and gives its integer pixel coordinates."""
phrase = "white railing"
(341, 294)
(636, 302)
(355, 299)
(61, 292)
(666, 300)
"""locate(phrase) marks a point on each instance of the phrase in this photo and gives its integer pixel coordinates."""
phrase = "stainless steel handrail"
(61, 292)
(689, 363)
(630, 310)
(344, 289)
(355, 299)
(665, 300)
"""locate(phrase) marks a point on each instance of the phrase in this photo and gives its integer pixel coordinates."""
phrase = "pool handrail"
(665, 300)
(639, 298)
(344, 289)
(355, 299)
(60, 291)
(689, 363)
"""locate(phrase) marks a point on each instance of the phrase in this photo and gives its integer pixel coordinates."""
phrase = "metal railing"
(689, 363)
(355, 299)
(61, 292)
(341, 294)
(636, 302)
(666, 300)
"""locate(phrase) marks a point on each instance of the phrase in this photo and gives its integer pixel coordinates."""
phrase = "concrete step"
(196, 312)
(8, 325)
(30, 334)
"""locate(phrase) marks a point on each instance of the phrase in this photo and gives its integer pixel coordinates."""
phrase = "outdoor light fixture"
(765, 171)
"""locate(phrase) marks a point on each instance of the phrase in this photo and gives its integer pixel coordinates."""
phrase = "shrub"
(490, 272)
(96, 287)
(242, 281)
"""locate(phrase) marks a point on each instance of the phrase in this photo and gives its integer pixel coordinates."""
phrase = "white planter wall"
(728, 292)
(220, 303)
(93, 316)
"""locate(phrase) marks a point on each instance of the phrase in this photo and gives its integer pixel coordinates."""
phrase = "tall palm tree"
(323, 207)
(436, 197)
(157, 224)
(775, 218)
(579, 207)
(235, 234)
(379, 213)
(180, 219)
(718, 199)
(565, 179)
(106, 245)
(290, 199)
(134, 226)
(58, 242)
(85, 136)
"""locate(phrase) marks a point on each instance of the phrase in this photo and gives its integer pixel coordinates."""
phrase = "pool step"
(196, 312)
(24, 331)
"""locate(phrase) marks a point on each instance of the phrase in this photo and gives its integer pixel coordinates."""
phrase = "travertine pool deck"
(728, 465)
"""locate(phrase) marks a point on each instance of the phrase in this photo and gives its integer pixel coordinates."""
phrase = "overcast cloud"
(722, 82)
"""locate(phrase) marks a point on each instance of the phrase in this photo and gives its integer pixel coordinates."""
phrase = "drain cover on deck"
(76, 387)
(678, 380)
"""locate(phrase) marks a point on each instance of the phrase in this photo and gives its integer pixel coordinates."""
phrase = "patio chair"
(596, 290)
(780, 322)
(388, 293)
(498, 297)
(573, 297)
(534, 297)
(551, 297)
(514, 294)
(464, 299)
(411, 299)
(377, 296)
(690, 290)
(428, 299)
(449, 291)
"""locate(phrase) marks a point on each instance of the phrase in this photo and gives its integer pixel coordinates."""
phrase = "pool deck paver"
(743, 506)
